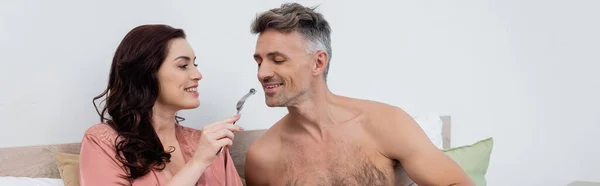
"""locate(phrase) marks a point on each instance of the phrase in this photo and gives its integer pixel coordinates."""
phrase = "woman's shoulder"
(101, 131)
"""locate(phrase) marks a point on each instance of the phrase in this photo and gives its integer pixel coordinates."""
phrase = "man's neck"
(314, 113)
(163, 121)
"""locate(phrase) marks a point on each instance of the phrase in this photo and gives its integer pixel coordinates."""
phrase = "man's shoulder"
(261, 155)
(266, 141)
(382, 115)
(378, 109)
(368, 103)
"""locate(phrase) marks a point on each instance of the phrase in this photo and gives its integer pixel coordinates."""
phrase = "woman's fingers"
(223, 133)
(218, 125)
(231, 127)
(224, 142)
(228, 126)
(232, 119)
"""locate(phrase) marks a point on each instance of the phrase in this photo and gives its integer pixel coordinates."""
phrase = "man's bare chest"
(344, 162)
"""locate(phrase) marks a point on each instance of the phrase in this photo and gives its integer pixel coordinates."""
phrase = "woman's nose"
(196, 76)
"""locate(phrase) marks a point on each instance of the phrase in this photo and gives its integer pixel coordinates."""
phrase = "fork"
(238, 107)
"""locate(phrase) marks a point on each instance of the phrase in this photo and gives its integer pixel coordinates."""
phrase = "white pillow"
(432, 126)
(26, 181)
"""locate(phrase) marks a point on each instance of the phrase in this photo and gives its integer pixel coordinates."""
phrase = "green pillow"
(474, 159)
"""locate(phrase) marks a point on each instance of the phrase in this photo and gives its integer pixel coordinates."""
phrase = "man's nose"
(265, 71)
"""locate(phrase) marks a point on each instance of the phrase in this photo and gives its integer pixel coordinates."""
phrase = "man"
(328, 139)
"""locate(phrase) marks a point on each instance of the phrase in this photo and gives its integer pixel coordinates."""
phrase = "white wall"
(524, 72)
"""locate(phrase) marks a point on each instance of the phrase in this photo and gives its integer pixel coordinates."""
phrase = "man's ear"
(320, 60)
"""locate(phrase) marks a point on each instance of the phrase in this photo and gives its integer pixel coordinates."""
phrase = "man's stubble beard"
(285, 101)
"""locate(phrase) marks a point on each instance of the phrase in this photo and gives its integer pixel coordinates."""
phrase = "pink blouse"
(98, 166)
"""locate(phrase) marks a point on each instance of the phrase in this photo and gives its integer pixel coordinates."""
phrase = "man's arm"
(400, 137)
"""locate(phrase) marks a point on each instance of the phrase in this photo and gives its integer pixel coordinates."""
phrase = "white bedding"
(25, 181)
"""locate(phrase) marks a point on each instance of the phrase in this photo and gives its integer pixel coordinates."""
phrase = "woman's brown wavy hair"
(131, 92)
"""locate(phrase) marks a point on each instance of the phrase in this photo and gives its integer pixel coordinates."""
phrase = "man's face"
(284, 67)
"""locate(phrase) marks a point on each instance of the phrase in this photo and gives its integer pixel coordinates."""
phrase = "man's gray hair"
(295, 17)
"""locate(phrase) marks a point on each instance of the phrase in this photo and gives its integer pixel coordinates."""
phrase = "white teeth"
(191, 89)
(273, 86)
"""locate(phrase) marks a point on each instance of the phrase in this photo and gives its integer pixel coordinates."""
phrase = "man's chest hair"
(338, 163)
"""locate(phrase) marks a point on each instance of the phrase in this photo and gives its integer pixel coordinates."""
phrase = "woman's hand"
(212, 138)
(215, 136)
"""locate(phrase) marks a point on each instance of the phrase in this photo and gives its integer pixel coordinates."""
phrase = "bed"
(37, 165)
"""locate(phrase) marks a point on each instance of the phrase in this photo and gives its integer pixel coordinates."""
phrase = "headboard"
(38, 161)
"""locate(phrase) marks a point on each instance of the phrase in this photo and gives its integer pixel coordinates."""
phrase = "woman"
(139, 140)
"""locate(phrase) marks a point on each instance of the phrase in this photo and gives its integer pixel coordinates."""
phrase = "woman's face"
(178, 77)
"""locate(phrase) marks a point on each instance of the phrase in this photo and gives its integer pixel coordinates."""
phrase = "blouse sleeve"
(97, 162)
(231, 174)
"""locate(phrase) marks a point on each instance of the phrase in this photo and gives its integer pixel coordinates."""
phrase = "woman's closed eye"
(183, 67)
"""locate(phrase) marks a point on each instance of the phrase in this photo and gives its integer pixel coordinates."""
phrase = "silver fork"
(238, 107)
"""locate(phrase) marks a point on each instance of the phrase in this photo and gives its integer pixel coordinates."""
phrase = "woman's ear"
(320, 61)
